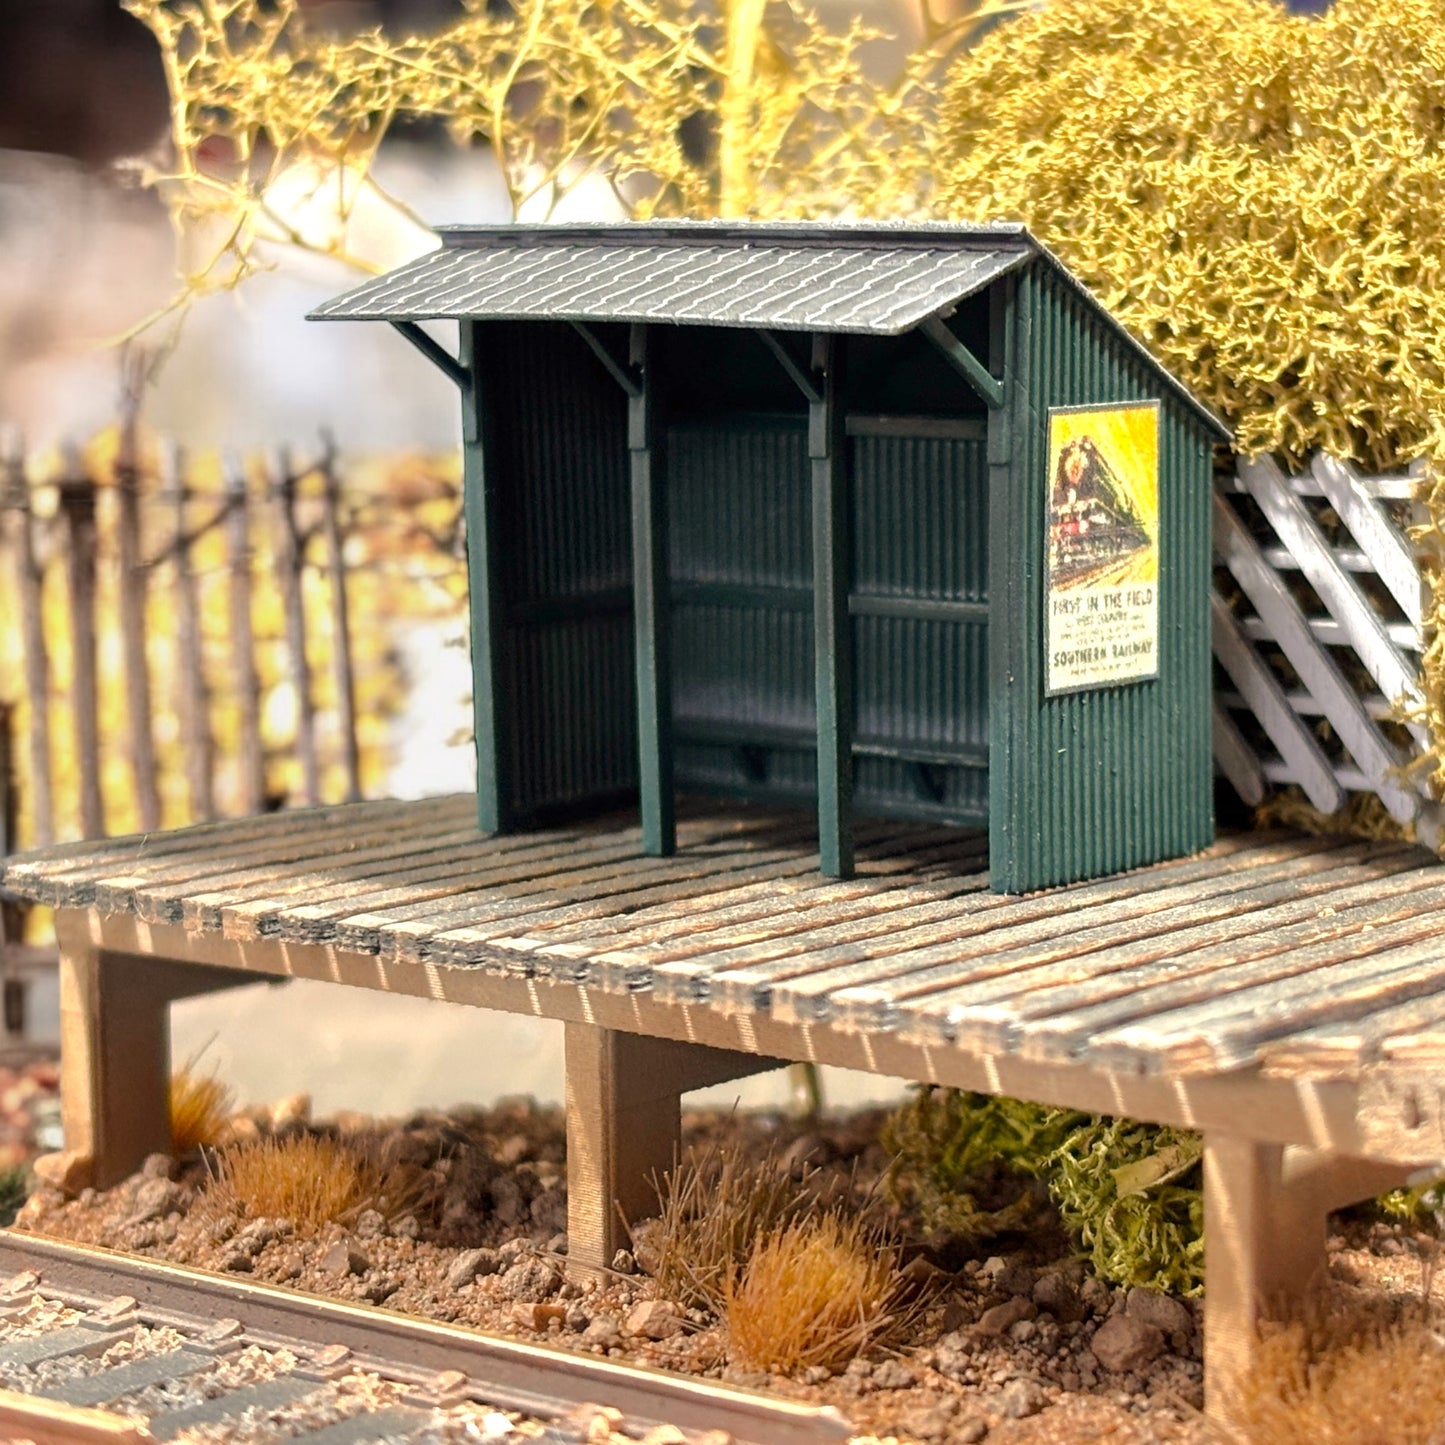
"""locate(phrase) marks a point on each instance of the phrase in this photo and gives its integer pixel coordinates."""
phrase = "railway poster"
(1101, 590)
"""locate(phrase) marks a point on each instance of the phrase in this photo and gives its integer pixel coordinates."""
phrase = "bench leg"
(1266, 1211)
(115, 1051)
(624, 1094)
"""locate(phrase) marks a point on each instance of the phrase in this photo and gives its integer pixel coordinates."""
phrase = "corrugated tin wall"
(564, 558)
(741, 571)
(1095, 781)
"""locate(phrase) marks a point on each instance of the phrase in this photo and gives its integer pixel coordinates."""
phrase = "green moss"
(1130, 1193)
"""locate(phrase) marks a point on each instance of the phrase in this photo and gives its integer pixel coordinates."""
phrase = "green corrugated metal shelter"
(893, 518)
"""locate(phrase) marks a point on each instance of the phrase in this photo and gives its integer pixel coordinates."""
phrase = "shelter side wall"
(1105, 778)
(562, 611)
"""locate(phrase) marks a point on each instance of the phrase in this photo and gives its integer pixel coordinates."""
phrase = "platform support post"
(1266, 1210)
(624, 1128)
(115, 1064)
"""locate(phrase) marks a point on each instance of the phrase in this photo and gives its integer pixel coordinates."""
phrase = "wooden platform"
(1283, 994)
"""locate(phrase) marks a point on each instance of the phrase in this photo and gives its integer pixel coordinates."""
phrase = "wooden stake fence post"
(131, 593)
(341, 624)
(77, 506)
(290, 561)
(20, 531)
(243, 638)
(192, 703)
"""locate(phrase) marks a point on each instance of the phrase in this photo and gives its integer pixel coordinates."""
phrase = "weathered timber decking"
(1302, 956)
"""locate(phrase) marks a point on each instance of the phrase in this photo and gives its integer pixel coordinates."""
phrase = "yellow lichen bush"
(817, 1291)
(1259, 196)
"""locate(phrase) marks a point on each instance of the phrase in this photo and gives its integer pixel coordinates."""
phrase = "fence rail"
(1318, 627)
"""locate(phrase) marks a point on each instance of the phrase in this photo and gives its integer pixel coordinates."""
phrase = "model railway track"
(136, 1350)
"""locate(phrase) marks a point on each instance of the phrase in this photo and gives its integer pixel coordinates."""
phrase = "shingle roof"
(878, 279)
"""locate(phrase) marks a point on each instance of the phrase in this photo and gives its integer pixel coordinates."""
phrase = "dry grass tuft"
(200, 1109)
(311, 1179)
(1345, 1375)
(813, 1292)
(713, 1205)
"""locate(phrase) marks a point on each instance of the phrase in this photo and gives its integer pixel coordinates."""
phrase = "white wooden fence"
(1321, 682)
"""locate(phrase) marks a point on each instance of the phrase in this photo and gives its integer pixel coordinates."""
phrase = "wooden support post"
(651, 605)
(624, 1095)
(484, 578)
(115, 1048)
(832, 629)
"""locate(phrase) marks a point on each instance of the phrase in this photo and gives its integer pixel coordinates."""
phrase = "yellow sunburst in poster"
(1102, 550)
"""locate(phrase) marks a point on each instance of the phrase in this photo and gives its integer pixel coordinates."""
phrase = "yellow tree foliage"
(756, 109)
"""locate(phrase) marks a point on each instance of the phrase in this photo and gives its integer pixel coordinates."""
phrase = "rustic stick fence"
(1319, 628)
(180, 638)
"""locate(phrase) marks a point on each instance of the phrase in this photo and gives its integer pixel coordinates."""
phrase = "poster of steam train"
(1102, 552)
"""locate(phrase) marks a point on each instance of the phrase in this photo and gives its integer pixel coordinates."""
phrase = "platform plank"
(1310, 957)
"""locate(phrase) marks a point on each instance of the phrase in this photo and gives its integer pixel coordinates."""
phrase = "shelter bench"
(1283, 994)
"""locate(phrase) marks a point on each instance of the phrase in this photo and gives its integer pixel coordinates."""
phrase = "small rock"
(67, 1171)
(935, 1423)
(1015, 1279)
(380, 1287)
(1057, 1293)
(1164, 1312)
(955, 1316)
(647, 1245)
(471, 1264)
(624, 1263)
(577, 1319)
(557, 1244)
(531, 1280)
(993, 1266)
(893, 1375)
(537, 1317)
(808, 1151)
(815, 1374)
(286, 1115)
(655, 1319)
(510, 1251)
(593, 1423)
(155, 1199)
(236, 1261)
(510, 1204)
(953, 1355)
(406, 1227)
(1123, 1343)
(970, 1432)
(344, 1258)
(1022, 1332)
(370, 1225)
(1001, 1318)
(158, 1166)
(1021, 1398)
(665, 1435)
(1095, 1296)
(604, 1330)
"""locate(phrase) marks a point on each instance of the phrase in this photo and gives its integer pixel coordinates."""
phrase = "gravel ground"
(1018, 1342)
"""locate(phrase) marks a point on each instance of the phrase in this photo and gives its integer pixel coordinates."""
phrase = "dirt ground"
(1015, 1340)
